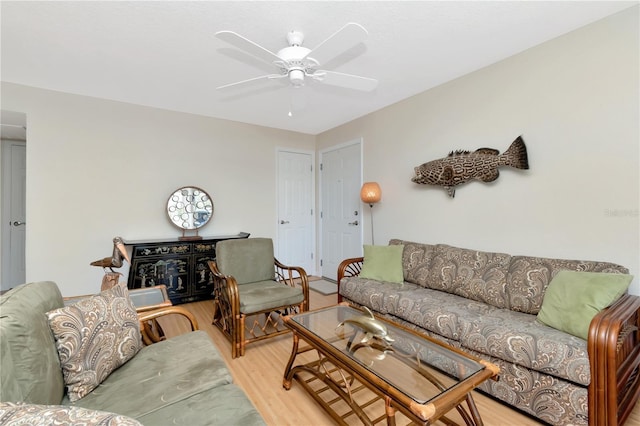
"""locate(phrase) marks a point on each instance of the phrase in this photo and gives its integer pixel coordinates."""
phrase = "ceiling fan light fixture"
(296, 77)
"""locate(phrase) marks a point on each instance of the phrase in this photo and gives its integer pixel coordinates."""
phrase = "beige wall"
(575, 102)
(97, 169)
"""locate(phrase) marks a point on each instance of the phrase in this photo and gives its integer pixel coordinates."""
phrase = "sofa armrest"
(614, 357)
(151, 330)
(349, 268)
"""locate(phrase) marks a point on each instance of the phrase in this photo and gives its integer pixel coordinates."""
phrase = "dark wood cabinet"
(179, 265)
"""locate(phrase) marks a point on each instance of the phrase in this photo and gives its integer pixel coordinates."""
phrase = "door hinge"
(320, 262)
(320, 166)
(311, 256)
(320, 215)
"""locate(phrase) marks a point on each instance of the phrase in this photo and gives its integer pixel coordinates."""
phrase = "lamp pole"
(371, 214)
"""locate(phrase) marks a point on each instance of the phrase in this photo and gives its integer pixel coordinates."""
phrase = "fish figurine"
(372, 327)
(461, 166)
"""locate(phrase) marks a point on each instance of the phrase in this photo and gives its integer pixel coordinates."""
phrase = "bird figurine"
(115, 261)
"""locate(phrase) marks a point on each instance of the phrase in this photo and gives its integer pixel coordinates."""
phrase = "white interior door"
(13, 213)
(295, 242)
(341, 176)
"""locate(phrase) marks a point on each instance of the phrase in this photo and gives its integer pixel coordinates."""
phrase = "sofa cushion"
(574, 298)
(473, 274)
(380, 296)
(518, 338)
(528, 278)
(416, 261)
(165, 373)
(34, 414)
(514, 337)
(94, 336)
(223, 405)
(383, 263)
(29, 365)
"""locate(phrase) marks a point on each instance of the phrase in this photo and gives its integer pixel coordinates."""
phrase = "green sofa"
(182, 380)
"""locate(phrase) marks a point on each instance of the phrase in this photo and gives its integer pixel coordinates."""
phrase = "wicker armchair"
(253, 290)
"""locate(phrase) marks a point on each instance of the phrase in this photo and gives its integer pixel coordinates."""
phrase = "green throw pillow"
(573, 298)
(383, 263)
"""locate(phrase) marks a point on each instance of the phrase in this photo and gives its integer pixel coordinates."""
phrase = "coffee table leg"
(288, 374)
(474, 411)
(390, 411)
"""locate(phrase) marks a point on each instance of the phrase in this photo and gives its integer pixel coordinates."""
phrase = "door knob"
(17, 223)
(282, 222)
(353, 223)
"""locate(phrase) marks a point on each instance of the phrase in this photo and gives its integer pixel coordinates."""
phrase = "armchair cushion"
(261, 295)
(95, 336)
(247, 260)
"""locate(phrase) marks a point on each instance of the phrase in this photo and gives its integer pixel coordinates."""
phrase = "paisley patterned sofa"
(487, 304)
(182, 380)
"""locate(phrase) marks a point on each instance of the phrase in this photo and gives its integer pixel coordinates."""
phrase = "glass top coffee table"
(421, 377)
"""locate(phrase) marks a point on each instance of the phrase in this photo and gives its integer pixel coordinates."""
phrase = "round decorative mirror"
(190, 208)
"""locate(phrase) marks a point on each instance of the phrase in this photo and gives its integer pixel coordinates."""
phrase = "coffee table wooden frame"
(424, 414)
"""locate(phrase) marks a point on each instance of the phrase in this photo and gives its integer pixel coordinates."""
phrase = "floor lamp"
(370, 194)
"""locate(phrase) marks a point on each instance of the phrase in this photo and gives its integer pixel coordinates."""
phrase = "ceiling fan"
(298, 63)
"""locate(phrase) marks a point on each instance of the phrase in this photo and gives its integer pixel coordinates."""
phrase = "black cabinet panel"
(179, 265)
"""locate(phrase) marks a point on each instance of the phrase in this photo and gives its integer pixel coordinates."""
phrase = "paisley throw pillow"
(12, 414)
(95, 336)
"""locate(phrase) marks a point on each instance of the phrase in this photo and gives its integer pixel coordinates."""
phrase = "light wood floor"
(259, 374)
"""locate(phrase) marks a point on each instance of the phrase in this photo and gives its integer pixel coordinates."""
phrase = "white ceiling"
(165, 54)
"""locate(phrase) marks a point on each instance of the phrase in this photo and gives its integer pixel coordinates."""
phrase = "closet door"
(295, 243)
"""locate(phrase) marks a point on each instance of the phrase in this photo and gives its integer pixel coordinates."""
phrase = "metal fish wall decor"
(461, 166)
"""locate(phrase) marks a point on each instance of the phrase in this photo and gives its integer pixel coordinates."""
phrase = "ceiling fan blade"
(340, 41)
(248, 46)
(349, 81)
(262, 77)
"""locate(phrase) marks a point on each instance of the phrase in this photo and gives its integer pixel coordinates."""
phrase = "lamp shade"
(370, 192)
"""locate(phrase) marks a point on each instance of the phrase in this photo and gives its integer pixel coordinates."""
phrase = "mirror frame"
(185, 208)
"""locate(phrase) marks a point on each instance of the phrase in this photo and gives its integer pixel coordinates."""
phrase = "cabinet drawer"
(162, 250)
(205, 248)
